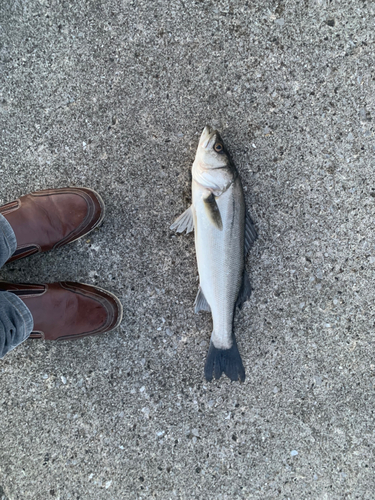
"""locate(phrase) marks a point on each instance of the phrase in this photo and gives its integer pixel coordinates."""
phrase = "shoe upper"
(52, 218)
(67, 310)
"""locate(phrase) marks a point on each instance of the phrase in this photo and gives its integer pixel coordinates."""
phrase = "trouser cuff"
(8, 237)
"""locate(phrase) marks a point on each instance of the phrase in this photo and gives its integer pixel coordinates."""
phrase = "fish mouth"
(207, 135)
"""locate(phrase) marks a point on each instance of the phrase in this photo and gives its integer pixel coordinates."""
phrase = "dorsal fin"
(250, 232)
(245, 290)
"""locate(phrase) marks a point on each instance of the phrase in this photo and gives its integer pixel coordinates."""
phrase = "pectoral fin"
(213, 212)
(185, 221)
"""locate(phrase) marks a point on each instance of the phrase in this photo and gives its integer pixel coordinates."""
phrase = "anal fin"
(201, 303)
(184, 221)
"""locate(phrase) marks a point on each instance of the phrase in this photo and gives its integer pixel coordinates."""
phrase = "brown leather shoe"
(68, 311)
(49, 219)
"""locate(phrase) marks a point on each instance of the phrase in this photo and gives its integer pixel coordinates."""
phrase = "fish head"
(211, 152)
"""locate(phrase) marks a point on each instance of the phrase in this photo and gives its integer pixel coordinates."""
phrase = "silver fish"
(224, 232)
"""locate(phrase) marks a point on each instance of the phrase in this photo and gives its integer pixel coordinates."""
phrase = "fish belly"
(220, 257)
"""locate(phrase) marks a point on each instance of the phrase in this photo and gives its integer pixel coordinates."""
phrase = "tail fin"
(224, 360)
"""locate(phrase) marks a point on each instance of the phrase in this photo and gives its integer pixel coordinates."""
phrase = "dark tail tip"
(224, 360)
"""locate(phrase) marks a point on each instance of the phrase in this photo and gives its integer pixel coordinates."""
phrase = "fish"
(224, 233)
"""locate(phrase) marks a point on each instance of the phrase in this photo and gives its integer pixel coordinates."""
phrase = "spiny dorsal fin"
(184, 221)
(213, 211)
(250, 233)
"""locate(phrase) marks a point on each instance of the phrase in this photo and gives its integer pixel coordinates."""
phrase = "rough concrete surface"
(113, 95)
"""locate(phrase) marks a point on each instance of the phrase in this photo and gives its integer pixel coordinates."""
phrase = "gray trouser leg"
(16, 321)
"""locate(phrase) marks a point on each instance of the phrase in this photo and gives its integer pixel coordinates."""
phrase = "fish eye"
(218, 148)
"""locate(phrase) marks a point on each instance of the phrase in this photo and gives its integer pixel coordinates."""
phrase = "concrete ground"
(113, 95)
